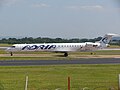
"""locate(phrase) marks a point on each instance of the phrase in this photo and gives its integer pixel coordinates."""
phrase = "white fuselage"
(56, 47)
(63, 47)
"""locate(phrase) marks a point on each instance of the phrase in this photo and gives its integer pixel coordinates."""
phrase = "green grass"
(101, 77)
(35, 58)
(52, 77)
(53, 56)
(114, 46)
(108, 52)
(5, 45)
(99, 52)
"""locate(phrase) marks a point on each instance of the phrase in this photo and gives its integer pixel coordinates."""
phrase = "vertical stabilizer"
(106, 39)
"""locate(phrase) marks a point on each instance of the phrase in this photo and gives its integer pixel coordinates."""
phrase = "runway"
(59, 62)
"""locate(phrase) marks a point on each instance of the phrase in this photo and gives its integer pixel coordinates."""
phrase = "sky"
(59, 18)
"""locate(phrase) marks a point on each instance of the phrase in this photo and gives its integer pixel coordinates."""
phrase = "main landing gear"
(11, 53)
(65, 54)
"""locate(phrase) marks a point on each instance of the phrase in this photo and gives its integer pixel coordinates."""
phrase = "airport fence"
(63, 84)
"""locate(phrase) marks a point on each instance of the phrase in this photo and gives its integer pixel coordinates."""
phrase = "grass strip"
(101, 77)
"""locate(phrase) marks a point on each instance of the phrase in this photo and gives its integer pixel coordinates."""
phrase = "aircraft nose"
(8, 49)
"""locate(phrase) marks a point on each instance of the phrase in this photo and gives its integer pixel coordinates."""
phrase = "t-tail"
(106, 39)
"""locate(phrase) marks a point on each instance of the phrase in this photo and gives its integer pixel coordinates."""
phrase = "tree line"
(46, 40)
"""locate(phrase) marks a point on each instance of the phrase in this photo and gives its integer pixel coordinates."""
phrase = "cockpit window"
(12, 46)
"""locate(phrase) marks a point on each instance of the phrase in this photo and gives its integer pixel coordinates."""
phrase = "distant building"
(115, 40)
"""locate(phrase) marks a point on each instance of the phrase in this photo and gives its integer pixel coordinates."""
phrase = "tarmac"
(59, 62)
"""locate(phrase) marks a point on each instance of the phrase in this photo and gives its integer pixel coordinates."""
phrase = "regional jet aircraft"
(63, 47)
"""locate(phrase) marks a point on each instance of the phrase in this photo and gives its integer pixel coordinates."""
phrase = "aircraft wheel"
(65, 54)
(11, 53)
(92, 53)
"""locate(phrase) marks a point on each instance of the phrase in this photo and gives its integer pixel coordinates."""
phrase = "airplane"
(62, 47)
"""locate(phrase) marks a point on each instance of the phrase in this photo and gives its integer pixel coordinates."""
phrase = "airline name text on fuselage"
(42, 47)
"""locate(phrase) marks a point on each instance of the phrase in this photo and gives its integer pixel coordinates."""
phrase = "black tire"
(11, 53)
(65, 54)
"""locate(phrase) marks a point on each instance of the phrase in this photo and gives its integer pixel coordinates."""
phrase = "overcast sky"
(59, 18)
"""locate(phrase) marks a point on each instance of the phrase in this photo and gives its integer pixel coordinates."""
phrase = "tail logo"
(105, 40)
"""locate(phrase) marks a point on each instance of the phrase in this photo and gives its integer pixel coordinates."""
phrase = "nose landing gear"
(11, 53)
